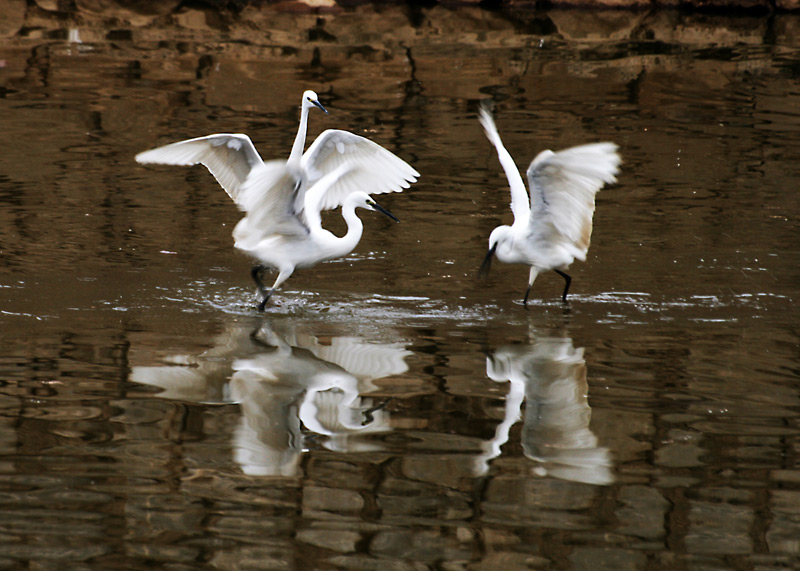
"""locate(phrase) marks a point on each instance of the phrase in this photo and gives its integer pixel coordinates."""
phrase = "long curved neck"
(331, 245)
(355, 228)
(293, 162)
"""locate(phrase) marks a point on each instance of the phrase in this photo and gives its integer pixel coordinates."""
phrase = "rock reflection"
(283, 383)
(550, 374)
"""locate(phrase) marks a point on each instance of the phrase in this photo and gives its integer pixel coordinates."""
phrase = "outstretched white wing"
(229, 157)
(272, 196)
(563, 186)
(519, 196)
(376, 170)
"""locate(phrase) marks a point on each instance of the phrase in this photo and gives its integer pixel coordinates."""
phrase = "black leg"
(255, 272)
(567, 279)
(525, 299)
(262, 289)
(267, 294)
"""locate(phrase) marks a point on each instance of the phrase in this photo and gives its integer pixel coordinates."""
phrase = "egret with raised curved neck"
(282, 199)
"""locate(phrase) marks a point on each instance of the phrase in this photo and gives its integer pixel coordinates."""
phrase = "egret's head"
(364, 200)
(498, 237)
(310, 98)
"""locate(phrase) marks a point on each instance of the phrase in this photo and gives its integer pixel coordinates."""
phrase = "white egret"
(554, 227)
(282, 199)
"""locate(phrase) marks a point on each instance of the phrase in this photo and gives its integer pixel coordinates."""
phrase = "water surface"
(391, 410)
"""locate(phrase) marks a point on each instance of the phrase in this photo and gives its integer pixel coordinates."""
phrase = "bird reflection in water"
(550, 375)
(283, 383)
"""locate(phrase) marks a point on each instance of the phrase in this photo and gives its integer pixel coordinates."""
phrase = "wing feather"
(519, 195)
(375, 169)
(229, 157)
(563, 187)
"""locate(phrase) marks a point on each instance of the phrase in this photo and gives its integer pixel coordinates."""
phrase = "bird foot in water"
(263, 303)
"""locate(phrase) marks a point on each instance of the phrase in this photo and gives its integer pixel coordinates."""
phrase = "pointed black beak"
(318, 104)
(382, 210)
(487, 262)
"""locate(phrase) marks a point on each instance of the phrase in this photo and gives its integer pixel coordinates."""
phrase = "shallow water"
(391, 410)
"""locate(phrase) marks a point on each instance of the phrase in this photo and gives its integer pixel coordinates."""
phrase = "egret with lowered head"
(282, 199)
(554, 226)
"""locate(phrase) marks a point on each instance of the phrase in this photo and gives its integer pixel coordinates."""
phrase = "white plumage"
(554, 226)
(282, 199)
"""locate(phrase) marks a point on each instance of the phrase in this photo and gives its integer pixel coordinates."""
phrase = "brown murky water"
(390, 410)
